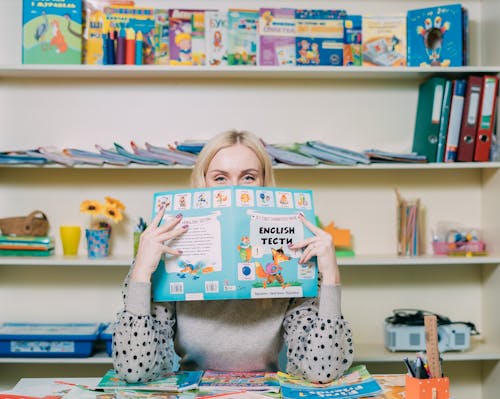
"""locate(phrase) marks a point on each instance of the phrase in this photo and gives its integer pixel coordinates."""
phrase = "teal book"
(52, 32)
(428, 118)
(445, 119)
(243, 37)
(236, 244)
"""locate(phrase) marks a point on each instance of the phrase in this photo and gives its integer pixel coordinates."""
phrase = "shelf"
(377, 353)
(98, 358)
(231, 72)
(365, 260)
(374, 166)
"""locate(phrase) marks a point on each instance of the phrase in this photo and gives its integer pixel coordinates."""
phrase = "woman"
(232, 335)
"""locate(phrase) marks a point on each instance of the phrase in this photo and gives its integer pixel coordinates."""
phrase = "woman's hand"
(321, 246)
(152, 246)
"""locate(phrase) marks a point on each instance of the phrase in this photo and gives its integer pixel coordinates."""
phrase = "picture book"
(52, 32)
(320, 37)
(216, 37)
(181, 36)
(198, 43)
(161, 37)
(172, 381)
(236, 245)
(353, 28)
(242, 37)
(239, 381)
(277, 36)
(81, 392)
(384, 40)
(435, 36)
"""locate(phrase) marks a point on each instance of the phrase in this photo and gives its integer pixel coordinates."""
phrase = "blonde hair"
(228, 139)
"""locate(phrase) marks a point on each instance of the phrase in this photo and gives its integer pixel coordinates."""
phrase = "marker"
(409, 367)
(138, 48)
(129, 47)
(120, 47)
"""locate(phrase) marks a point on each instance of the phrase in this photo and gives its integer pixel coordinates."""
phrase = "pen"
(409, 367)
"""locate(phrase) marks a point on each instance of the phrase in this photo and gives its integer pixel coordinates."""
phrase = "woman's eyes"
(249, 178)
(220, 179)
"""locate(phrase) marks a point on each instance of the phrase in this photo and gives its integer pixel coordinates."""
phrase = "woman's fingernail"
(180, 251)
(185, 226)
(290, 245)
(178, 216)
(301, 214)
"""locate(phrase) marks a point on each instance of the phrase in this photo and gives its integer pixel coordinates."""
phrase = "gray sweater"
(231, 335)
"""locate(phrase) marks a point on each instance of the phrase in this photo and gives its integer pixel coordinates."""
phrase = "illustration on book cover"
(236, 245)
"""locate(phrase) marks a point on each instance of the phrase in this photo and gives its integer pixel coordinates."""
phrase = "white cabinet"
(358, 108)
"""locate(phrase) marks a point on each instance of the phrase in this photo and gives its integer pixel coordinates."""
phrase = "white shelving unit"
(358, 108)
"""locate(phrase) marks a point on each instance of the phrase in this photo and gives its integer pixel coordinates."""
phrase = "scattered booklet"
(173, 382)
(236, 246)
(239, 381)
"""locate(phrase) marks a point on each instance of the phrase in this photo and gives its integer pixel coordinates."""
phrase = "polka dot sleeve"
(142, 339)
(318, 339)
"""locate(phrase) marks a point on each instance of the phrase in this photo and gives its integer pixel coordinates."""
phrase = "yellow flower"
(112, 212)
(115, 202)
(91, 207)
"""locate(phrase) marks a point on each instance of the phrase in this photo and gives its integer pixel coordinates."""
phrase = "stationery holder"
(427, 388)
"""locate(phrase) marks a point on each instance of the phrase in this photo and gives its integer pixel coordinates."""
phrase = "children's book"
(277, 36)
(181, 36)
(384, 40)
(198, 43)
(353, 25)
(173, 382)
(161, 37)
(239, 381)
(320, 37)
(242, 37)
(52, 32)
(236, 246)
(216, 36)
(435, 36)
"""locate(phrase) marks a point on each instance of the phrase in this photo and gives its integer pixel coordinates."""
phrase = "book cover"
(353, 29)
(277, 36)
(456, 110)
(52, 32)
(239, 381)
(435, 36)
(181, 39)
(177, 381)
(384, 40)
(242, 37)
(320, 37)
(198, 43)
(161, 37)
(236, 246)
(216, 37)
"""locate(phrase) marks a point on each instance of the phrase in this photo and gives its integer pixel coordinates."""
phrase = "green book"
(443, 123)
(22, 252)
(428, 119)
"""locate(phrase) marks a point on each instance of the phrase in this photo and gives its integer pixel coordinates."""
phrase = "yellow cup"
(70, 238)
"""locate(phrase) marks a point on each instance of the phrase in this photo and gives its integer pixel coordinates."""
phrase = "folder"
(467, 139)
(443, 123)
(486, 118)
(456, 111)
(428, 119)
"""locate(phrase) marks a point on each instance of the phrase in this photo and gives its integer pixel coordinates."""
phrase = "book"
(180, 36)
(28, 243)
(161, 37)
(320, 37)
(239, 381)
(178, 381)
(277, 36)
(384, 40)
(444, 121)
(52, 32)
(435, 36)
(353, 29)
(470, 119)
(242, 37)
(486, 118)
(455, 121)
(198, 42)
(236, 246)
(216, 37)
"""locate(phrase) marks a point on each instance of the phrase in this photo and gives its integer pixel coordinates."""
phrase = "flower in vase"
(103, 213)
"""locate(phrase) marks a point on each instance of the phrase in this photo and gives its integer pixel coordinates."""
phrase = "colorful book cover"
(198, 43)
(161, 37)
(384, 40)
(277, 36)
(181, 36)
(172, 381)
(320, 37)
(52, 32)
(353, 28)
(216, 35)
(242, 37)
(239, 381)
(236, 246)
(435, 36)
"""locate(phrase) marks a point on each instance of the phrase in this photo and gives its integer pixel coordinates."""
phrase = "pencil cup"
(70, 239)
(98, 242)
(428, 388)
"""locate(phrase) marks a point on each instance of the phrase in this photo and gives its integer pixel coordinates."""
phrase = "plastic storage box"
(107, 337)
(48, 340)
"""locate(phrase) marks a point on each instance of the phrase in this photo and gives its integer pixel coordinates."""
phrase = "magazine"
(239, 381)
(236, 245)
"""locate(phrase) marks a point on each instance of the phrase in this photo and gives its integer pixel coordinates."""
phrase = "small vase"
(98, 242)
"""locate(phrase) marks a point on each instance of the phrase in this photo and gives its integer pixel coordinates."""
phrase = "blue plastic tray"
(107, 337)
(48, 339)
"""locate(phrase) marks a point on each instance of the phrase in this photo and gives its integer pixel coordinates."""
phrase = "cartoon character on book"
(188, 269)
(245, 249)
(183, 41)
(433, 34)
(272, 271)
(303, 51)
(41, 30)
(58, 40)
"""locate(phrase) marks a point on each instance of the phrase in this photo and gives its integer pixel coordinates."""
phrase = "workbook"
(236, 244)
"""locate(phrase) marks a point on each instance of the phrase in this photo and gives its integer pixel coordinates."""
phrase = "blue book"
(435, 36)
(320, 37)
(236, 246)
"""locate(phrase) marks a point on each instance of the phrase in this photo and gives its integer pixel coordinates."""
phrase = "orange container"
(429, 388)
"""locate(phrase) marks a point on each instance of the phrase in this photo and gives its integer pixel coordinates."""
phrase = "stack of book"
(26, 246)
